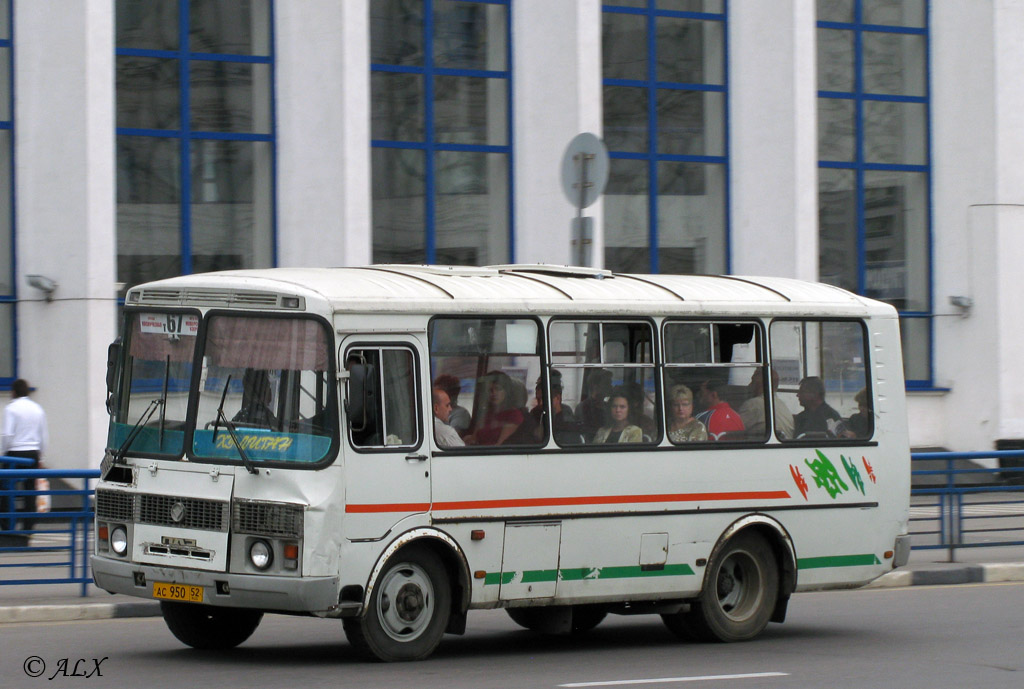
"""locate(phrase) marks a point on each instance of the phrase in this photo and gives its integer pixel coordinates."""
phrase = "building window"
(665, 87)
(874, 161)
(441, 131)
(195, 137)
(7, 289)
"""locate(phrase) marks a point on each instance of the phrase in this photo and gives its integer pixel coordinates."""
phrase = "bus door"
(387, 465)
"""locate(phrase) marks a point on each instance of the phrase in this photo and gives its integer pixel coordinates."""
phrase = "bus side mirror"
(113, 356)
(359, 401)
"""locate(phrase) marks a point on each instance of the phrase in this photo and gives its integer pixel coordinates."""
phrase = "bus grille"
(115, 505)
(193, 513)
(267, 518)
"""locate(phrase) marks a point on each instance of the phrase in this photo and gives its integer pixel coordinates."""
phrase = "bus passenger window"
(822, 370)
(492, 365)
(713, 388)
(605, 373)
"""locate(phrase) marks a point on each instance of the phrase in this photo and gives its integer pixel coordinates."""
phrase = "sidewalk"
(61, 602)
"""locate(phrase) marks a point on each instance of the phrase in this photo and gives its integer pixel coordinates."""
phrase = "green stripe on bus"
(837, 561)
(583, 573)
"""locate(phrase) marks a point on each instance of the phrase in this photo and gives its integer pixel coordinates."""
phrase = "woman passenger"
(502, 418)
(620, 430)
(682, 426)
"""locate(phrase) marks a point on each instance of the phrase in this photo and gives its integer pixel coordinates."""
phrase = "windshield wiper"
(163, 401)
(246, 462)
(143, 419)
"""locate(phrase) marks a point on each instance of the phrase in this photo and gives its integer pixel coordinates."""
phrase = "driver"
(256, 398)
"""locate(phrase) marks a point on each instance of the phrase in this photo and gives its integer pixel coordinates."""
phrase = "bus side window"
(381, 401)
(492, 364)
(713, 382)
(822, 367)
(594, 362)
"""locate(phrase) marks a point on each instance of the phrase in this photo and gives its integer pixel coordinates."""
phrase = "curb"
(961, 574)
(69, 612)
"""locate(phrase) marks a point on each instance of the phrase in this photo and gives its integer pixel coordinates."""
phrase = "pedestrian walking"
(24, 435)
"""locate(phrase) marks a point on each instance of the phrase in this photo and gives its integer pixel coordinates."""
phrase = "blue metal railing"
(55, 542)
(959, 505)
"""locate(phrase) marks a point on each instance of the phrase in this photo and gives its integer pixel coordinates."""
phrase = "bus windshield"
(265, 382)
(151, 398)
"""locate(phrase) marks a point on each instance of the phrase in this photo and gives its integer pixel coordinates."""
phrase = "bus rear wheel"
(739, 597)
(209, 627)
(408, 609)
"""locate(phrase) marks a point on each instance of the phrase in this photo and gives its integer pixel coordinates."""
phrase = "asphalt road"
(928, 637)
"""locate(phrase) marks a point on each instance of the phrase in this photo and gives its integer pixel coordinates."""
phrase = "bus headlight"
(119, 540)
(261, 554)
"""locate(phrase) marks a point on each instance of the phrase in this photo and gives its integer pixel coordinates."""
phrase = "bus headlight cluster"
(261, 555)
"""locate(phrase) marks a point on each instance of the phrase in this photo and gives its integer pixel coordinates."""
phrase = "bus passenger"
(859, 424)
(620, 430)
(501, 418)
(446, 435)
(752, 411)
(817, 416)
(563, 423)
(591, 411)
(459, 419)
(718, 416)
(683, 427)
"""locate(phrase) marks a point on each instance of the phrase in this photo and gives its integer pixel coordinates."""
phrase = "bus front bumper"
(317, 595)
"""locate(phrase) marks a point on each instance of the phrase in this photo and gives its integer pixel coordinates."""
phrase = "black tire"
(584, 618)
(741, 589)
(209, 627)
(408, 610)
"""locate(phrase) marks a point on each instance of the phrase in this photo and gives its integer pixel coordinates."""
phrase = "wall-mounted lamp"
(44, 284)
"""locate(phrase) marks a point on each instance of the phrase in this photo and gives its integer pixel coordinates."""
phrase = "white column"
(773, 145)
(323, 132)
(65, 219)
(977, 212)
(557, 91)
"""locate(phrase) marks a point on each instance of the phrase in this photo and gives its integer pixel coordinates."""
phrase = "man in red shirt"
(718, 416)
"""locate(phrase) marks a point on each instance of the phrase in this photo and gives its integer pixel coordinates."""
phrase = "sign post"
(584, 176)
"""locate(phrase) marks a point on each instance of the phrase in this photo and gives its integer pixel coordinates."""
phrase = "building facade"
(871, 144)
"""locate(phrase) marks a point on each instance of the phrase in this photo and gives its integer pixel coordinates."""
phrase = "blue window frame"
(196, 141)
(8, 288)
(874, 193)
(441, 131)
(665, 124)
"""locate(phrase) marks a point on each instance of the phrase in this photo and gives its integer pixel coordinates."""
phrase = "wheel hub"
(409, 602)
(726, 584)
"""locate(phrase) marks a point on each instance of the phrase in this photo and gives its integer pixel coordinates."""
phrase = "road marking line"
(701, 678)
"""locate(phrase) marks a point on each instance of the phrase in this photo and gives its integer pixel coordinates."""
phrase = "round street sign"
(584, 169)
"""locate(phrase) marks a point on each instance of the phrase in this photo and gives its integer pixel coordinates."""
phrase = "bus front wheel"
(739, 596)
(209, 627)
(408, 609)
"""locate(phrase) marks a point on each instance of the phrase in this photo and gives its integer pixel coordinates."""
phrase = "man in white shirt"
(25, 436)
(446, 435)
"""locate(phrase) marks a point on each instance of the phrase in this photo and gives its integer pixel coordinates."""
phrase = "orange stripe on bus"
(410, 507)
(574, 501)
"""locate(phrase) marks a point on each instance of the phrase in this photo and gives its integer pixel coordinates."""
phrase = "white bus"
(396, 445)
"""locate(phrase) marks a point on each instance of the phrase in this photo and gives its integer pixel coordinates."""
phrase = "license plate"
(180, 592)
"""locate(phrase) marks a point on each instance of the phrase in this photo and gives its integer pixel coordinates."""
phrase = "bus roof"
(508, 289)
